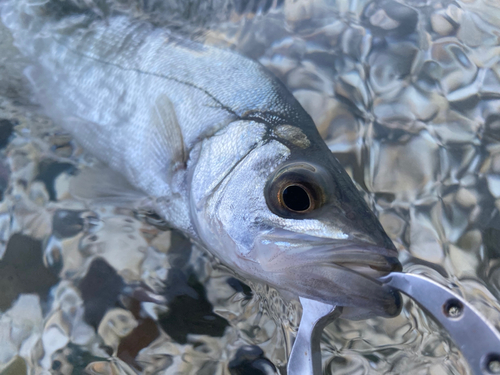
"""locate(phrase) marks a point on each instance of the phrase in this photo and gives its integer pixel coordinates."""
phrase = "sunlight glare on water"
(407, 96)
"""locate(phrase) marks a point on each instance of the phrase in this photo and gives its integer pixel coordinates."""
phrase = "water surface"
(407, 96)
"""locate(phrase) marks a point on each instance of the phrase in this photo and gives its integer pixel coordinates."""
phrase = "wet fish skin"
(207, 134)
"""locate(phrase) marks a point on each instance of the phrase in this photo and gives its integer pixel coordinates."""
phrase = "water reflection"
(406, 94)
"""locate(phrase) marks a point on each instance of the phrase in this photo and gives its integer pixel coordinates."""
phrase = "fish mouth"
(350, 282)
(375, 268)
(358, 255)
(371, 263)
(342, 272)
(368, 260)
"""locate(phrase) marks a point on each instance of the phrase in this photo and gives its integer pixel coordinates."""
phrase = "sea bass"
(220, 147)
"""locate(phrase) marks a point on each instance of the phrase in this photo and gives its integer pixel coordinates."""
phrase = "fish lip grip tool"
(305, 357)
(477, 339)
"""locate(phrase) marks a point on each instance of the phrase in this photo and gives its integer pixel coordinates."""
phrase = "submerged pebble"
(250, 360)
(406, 95)
(22, 271)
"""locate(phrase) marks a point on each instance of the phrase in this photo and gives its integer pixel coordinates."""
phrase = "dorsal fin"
(186, 16)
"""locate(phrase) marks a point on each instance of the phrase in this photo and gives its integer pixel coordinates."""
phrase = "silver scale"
(477, 339)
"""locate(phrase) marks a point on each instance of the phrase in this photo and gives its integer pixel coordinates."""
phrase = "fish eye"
(296, 198)
(295, 190)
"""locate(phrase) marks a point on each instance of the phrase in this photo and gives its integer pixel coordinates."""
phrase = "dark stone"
(189, 310)
(78, 357)
(56, 365)
(67, 223)
(180, 250)
(250, 360)
(144, 334)
(100, 290)
(6, 129)
(49, 171)
(177, 285)
(15, 367)
(22, 271)
(491, 240)
(467, 104)
(4, 177)
(240, 287)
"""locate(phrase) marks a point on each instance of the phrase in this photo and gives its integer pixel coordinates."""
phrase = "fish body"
(219, 146)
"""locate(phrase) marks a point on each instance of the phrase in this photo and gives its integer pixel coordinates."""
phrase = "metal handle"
(476, 338)
(305, 358)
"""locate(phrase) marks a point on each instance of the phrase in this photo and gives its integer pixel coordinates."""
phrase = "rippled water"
(407, 96)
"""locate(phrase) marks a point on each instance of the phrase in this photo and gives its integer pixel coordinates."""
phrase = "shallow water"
(406, 94)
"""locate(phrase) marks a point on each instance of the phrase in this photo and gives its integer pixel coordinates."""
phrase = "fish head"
(287, 213)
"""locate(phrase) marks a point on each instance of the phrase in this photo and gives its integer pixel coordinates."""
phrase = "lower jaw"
(336, 284)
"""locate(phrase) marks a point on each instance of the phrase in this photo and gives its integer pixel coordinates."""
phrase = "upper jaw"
(368, 260)
(284, 251)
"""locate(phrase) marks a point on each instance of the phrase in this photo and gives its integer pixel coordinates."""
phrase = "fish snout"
(366, 258)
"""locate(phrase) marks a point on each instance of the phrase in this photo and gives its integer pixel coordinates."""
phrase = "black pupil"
(296, 198)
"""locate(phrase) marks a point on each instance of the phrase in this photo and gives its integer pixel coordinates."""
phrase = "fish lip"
(393, 263)
(372, 261)
(353, 289)
(369, 259)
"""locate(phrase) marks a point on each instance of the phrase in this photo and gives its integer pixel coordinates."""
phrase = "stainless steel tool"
(305, 358)
(478, 340)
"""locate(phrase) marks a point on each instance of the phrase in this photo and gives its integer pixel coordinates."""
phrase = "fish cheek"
(230, 207)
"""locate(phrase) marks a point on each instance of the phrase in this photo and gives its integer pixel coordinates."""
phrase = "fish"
(217, 146)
